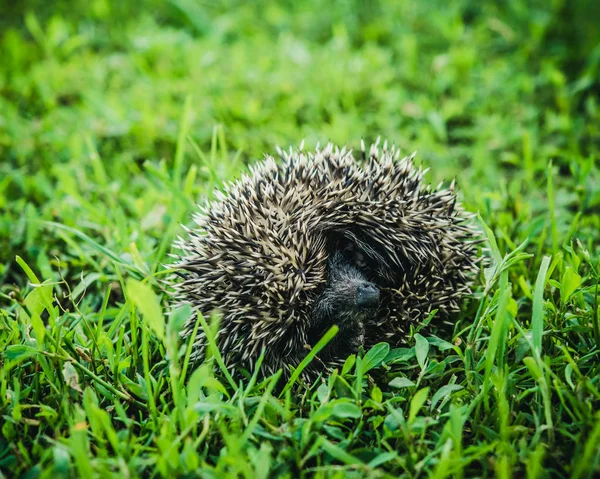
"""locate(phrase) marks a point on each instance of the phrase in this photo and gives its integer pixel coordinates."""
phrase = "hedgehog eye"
(359, 259)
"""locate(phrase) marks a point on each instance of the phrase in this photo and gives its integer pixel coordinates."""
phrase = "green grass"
(117, 118)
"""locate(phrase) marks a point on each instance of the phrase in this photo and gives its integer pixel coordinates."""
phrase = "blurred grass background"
(117, 117)
(488, 90)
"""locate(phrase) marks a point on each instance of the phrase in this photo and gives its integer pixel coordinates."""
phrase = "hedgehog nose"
(367, 295)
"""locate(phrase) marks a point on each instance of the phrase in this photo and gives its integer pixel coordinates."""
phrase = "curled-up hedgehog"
(319, 239)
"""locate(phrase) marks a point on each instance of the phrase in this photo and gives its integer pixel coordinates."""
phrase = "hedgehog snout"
(367, 296)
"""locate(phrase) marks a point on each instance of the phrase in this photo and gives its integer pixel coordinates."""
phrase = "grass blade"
(328, 336)
(537, 316)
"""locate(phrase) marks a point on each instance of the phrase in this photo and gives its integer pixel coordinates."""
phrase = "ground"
(117, 118)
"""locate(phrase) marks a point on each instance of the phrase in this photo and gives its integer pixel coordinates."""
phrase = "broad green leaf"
(376, 394)
(569, 283)
(382, 459)
(375, 356)
(39, 329)
(442, 392)
(401, 383)
(40, 298)
(19, 352)
(439, 343)
(417, 403)
(144, 298)
(71, 377)
(398, 355)
(348, 364)
(338, 453)
(422, 349)
(323, 393)
(345, 409)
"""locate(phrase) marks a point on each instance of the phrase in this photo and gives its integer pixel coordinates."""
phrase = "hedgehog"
(318, 239)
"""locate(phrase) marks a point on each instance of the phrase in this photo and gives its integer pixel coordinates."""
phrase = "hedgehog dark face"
(348, 301)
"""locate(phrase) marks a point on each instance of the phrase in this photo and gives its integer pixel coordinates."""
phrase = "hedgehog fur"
(282, 251)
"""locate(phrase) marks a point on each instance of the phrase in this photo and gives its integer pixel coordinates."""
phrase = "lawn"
(116, 118)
